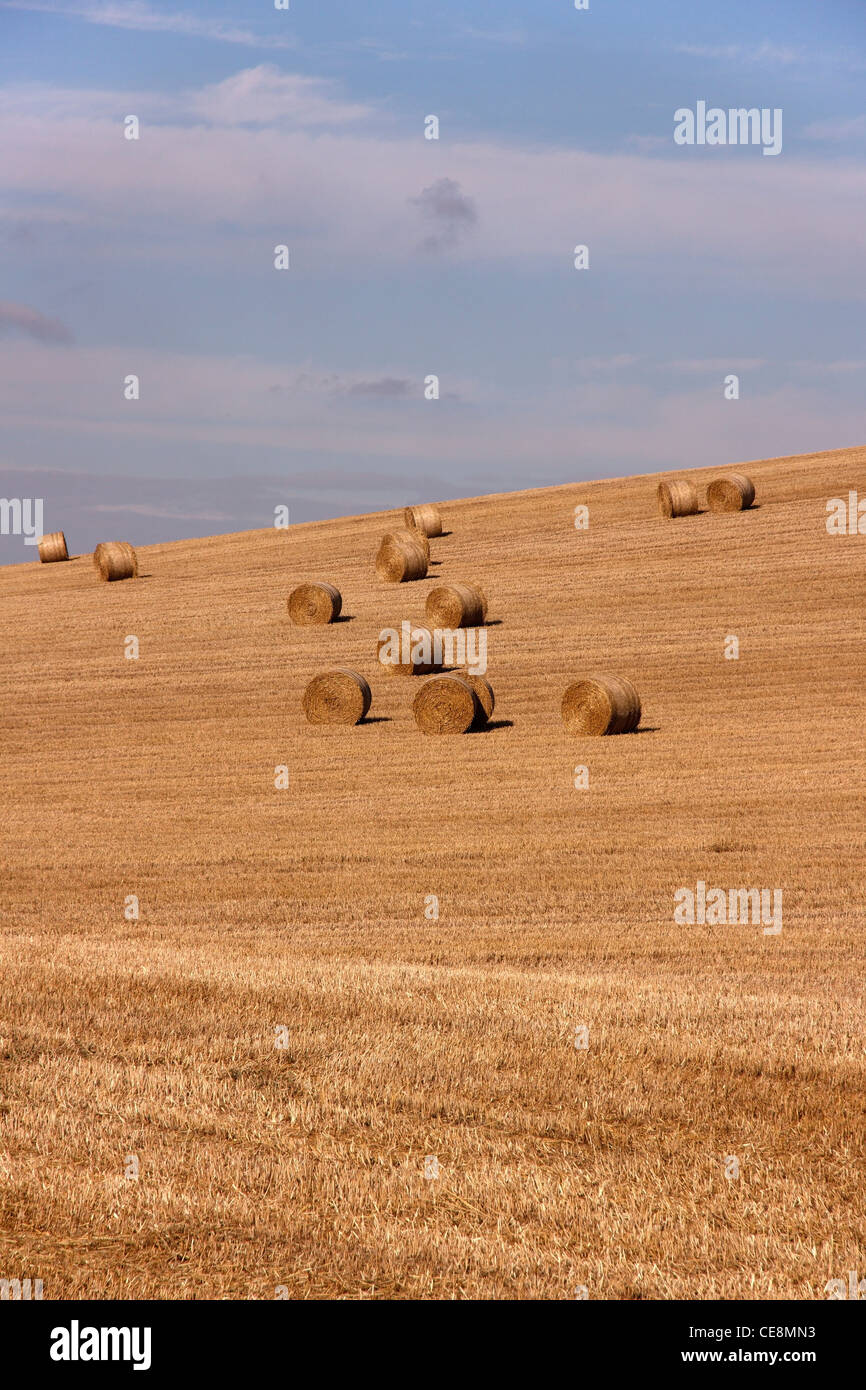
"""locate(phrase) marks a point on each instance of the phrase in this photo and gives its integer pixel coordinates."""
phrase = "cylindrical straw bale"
(340, 696)
(416, 648)
(426, 518)
(456, 605)
(52, 547)
(446, 705)
(400, 559)
(483, 691)
(733, 493)
(115, 560)
(417, 537)
(678, 498)
(601, 705)
(312, 604)
(123, 545)
(483, 596)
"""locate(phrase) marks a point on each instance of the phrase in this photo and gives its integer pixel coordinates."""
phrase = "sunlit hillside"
(287, 1035)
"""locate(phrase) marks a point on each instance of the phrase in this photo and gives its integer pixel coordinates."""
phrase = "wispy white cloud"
(842, 368)
(162, 513)
(143, 18)
(510, 38)
(638, 365)
(228, 397)
(783, 55)
(261, 96)
(601, 425)
(776, 55)
(264, 96)
(622, 361)
(646, 144)
(715, 364)
(841, 130)
(617, 363)
(384, 52)
(320, 170)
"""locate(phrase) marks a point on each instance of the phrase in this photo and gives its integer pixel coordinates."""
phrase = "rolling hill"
(286, 1035)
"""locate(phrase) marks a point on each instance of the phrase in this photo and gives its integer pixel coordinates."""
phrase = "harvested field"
(307, 908)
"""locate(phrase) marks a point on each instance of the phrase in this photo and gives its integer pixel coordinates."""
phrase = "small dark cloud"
(20, 318)
(390, 386)
(451, 213)
(22, 234)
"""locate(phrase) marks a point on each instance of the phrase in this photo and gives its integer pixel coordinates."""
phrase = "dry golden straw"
(456, 605)
(340, 696)
(483, 596)
(421, 644)
(400, 559)
(447, 705)
(483, 691)
(678, 498)
(426, 518)
(417, 538)
(733, 493)
(123, 545)
(601, 705)
(53, 547)
(311, 604)
(115, 560)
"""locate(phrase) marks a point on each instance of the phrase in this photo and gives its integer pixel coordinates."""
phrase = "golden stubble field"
(302, 1168)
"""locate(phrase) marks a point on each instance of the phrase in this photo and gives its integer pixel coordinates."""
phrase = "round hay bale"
(483, 692)
(456, 605)
(417, 538)
(601, 705)
(340, 696)
(733, 493)
(52, 547)
(122, 545)
(115, 560)
(416, 665)
(678, 498)
(446, 705)
(313, 604)
(426, 518)
(133, 557)
(400, 559)
(483, 596)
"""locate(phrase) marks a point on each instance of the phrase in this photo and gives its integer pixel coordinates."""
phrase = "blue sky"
(411, 257)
